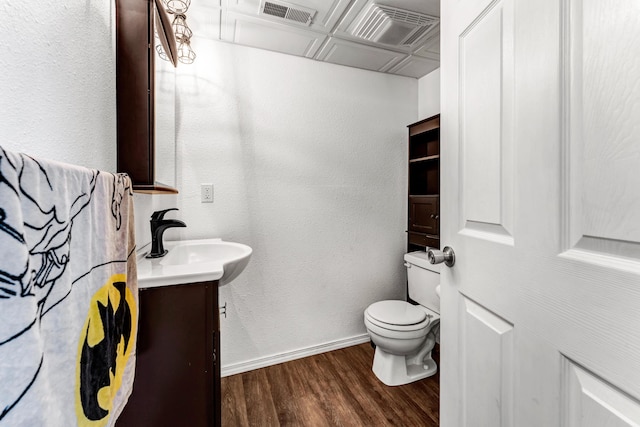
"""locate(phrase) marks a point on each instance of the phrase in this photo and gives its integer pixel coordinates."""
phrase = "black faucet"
(158, 226)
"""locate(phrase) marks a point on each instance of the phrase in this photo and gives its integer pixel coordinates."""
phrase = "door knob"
(446, 255)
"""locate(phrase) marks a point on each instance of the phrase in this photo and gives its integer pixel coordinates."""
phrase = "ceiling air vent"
(393, 26)
(287, 11)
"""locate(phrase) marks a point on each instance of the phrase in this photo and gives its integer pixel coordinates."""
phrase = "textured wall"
(308, 162)
(429, 95)
(57, 80)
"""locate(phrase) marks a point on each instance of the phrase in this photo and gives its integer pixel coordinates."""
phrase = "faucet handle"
(159, 215)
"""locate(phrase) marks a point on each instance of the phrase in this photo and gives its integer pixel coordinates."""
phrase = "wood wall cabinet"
(177, 381)
(424, 184)
(135, 65)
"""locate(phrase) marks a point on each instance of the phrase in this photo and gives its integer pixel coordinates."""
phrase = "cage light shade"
(161, 52)
(177, 6)
(186, 55)
(180, 27)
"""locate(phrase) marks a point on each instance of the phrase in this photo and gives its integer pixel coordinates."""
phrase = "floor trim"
(263, 362)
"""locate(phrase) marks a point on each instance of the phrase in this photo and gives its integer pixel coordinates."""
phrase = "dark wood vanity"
(177, 380)
(424, 184)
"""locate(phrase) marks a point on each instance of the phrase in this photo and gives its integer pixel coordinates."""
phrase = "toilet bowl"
(404, 334)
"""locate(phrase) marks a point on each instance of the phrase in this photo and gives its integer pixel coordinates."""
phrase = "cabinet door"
(424, 214)
(175, 376)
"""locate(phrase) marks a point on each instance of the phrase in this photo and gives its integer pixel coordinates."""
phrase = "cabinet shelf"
(424, 159)
(424, 184)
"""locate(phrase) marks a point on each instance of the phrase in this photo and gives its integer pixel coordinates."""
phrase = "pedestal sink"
(192, 261)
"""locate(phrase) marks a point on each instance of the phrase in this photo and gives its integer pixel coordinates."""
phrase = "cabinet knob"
(432, 216)
(437, 216)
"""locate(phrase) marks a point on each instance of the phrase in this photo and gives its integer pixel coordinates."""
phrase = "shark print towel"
(68, 294)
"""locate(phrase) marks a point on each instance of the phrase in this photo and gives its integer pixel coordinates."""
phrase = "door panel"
(591, 402)
(602, 144)
(487, 354)
(486, 59)
(540, 322)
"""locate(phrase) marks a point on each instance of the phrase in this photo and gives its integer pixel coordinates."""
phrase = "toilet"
(404, 334)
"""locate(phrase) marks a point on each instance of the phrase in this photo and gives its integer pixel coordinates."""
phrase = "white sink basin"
(191, 261)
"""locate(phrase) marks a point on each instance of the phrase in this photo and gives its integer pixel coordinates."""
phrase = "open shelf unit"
(424, 184)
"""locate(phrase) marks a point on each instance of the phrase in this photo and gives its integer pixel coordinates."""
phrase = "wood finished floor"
(329, 389)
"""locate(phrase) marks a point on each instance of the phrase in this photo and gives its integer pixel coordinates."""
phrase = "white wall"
(308, 162)
(57, 80)
(429, 95)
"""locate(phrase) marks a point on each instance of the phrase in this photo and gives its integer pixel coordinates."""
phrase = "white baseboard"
(263, 362)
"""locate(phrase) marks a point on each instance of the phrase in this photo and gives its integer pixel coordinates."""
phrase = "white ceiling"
(329, 36)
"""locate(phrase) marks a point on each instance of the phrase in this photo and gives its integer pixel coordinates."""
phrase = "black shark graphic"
(98, 362)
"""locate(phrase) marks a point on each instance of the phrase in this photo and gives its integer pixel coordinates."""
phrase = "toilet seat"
(396, 332)
(394, 312)
(399, 318)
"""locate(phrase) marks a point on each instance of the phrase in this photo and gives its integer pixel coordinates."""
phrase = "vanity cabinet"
(177, 381)
(424, 184)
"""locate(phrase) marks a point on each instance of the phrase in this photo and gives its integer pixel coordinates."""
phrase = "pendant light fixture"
(181, 31)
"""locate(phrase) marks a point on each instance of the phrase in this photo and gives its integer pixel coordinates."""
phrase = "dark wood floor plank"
(261, 411)
(283, 386)
(336, 388)
(234, 409)
(314, 411)
(337, 406)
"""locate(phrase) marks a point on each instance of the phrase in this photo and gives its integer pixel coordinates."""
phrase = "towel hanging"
(68, 293)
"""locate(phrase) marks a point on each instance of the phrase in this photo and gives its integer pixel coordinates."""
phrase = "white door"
(541, 203)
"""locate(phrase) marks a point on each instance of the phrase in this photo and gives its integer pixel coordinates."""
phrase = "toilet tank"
(423, 278)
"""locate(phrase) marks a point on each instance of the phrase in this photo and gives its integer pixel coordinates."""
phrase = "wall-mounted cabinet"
(424, 184)
(145, 151)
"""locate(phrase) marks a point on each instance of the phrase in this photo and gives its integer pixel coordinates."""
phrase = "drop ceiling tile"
(431, 49)
(415, 66)
(351, 23)
(352, 13)
(345, 52)
(349, 19)
(263, 34)
(328, 12)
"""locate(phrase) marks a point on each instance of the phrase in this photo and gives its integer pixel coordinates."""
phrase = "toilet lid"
(396, 313)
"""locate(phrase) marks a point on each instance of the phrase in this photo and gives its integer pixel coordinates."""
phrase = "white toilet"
(405, 334)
